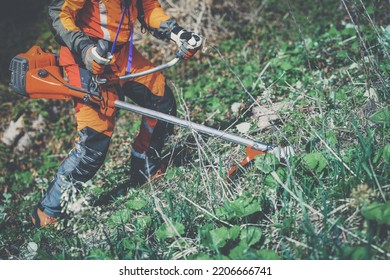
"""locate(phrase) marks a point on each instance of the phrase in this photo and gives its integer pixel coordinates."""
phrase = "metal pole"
(197, 127)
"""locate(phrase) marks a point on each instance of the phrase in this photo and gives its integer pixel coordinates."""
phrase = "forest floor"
(308, 74)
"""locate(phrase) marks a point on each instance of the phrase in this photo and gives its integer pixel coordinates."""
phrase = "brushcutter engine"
(18, 68)
(36, 74)
(23, 63)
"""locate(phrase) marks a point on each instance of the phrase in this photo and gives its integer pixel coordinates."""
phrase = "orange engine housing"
(36, 74)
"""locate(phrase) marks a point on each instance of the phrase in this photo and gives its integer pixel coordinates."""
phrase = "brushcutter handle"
(102, 48)
(140, 74)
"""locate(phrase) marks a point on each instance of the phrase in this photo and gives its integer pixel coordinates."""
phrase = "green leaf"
(286, 65)
(331, 137)
(381, 117)
(271, 182)
(143, 222)
(377, 212)
(333, 32)
(360, 253)
(247, 81)
(98, 190)
(241, 207)
(386, 153)
(37, 236)
(370, 10)
(245, 206)
(98, 254)
(166, 231)
(267, 163)
(267, 255)
(128, 243)
(119, 217)
(356, 253)
(201, 256)
(219, 236)
(242, 252)
(315, 161)
(136, 204)
(250, 235)
(170, 174)
(348, 31)
(234, 232)
(223, 213)
(342, 54)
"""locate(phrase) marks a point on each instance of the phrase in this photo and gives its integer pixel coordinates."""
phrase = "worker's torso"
(101, 19)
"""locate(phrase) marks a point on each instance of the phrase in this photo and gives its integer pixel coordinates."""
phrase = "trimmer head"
(250, 155)
(282, 153)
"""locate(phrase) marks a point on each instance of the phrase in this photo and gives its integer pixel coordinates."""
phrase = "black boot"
(142, 170)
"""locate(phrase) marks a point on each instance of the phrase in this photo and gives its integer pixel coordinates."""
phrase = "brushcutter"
(36, 74)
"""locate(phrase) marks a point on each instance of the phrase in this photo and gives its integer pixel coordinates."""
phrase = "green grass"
(328, 201)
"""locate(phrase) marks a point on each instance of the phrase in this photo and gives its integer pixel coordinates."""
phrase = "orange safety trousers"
(95, 129)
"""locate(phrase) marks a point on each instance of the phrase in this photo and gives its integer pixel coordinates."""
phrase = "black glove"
(188, 42)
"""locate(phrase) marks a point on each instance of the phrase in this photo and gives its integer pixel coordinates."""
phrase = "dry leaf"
(13, 131)
(243, 127)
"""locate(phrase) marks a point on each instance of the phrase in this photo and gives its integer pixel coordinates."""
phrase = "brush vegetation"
(318, 69)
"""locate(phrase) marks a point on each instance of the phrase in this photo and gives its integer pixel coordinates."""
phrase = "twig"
(261, 74)
(207, 212)
(347, 40)
(334, 154)
(201, 151)
(277, 178)
(167, 221)
(203, 154)
(340, 208)
(364, 45)
(298, 243)
(200, 16)
(376, 31)
(363, 240)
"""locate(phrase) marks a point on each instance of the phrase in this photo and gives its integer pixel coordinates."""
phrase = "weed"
(328, 201)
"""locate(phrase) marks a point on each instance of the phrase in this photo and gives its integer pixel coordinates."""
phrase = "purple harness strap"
(130, 58)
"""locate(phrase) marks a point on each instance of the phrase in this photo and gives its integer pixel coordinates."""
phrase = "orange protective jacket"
(75, 21)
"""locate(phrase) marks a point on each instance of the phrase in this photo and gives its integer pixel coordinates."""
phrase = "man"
(78, 25)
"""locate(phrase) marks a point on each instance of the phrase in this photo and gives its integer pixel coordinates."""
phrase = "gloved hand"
(93, 61)
(188, 42)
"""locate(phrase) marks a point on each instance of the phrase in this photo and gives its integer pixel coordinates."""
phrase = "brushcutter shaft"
(197, 127)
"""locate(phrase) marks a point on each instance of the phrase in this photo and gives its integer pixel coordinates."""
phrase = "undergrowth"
(327, 201)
